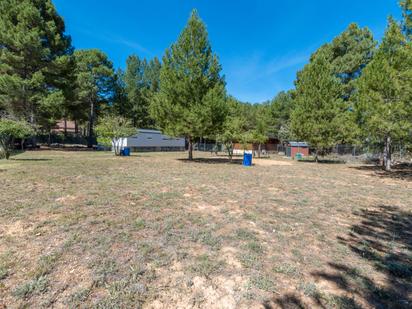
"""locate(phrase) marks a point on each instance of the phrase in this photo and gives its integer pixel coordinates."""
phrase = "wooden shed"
(294, 148)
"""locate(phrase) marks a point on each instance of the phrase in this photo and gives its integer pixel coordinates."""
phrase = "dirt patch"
(271, 162)
(16, 229)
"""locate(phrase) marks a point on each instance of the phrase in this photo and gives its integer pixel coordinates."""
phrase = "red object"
(303, 150)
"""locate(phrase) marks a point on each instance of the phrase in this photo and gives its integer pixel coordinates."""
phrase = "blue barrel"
(126, 151)
(247, 159)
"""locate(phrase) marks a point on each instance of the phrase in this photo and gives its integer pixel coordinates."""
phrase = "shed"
(153, 140)
(294, 148)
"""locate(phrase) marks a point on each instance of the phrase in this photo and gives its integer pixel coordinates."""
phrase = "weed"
(46, 264)
(287, 269)
(205, 265)
(250, 260)
(206, 238)
(244, 234)
(78, 297)
(254, 247)
(309, 289)
(6, 263)
(35, 286)
(139, 224)
(103, 270)
(263, 282)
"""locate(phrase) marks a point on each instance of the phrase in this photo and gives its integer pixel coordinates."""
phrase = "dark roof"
(298, 144)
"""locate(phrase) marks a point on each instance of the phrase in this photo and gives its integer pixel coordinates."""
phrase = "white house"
(152, 140)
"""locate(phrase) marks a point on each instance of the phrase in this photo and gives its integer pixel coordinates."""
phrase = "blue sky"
(261, 44)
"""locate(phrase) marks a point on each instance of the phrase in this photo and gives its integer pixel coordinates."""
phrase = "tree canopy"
(11, 129)
(111, 129)
(406, 6)
(320, 116)
(94, 84)
(35, 58)
(191, 101)
(384, 98)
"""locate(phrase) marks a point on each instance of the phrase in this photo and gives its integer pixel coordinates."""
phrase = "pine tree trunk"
(317, 156)
(33, 123)
(90, 129)
(190, 148)
(65, 127)
(259, 150)
(76, 127)
(387, 154)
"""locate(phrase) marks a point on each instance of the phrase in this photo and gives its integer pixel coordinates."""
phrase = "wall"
(303, 150)
(152, 140)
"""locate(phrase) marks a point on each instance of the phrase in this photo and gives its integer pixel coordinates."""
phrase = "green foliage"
(348, 54)
(191, 101)
(321, 117)
(260, 132)
(120, 101)
(36, 286)
(10, 130)
(95, 82)
(383, 101)
(406, 6)
(136, 88)
(35, 60)
(280, 110)
(237, 126)
(111, 129)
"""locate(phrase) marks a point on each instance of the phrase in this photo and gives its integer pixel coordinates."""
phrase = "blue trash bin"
(126, 152)
(247, 159)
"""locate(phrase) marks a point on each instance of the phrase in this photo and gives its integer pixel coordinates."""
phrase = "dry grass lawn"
(86, 229)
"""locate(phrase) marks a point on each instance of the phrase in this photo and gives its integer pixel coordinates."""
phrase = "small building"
(293, 148)
(152, 140)
(65, 126)
(269, 147)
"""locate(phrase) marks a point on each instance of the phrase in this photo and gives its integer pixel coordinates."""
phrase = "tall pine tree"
(349, 53)
(35, 59)
(321, 117)
(280, 111)
(384, 97)
(191, 101)
(94, 85)
(141, 82)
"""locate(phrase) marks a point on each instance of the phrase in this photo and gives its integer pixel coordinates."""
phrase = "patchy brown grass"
(86, 229)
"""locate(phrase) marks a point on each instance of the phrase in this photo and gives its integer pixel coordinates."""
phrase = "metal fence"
(209, 147)
(366, 152)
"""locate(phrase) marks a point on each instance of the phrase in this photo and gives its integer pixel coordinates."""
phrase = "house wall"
(151, 140)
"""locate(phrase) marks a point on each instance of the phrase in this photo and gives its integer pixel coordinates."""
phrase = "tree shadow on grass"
(383, 239)
(29, 159)
(288, 301)
(323, 161)
(75, 149)
(399, 171)
(212, 161)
